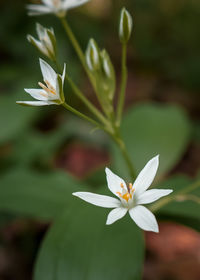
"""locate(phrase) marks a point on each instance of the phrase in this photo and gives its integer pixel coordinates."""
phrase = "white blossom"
(46, 43)
(51, 91)
(130, 197)
(58, 7)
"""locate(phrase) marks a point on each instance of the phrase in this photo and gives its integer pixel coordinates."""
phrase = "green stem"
(190, 188)
(77, 47)
(109, 124)
(90, 106)
(122, 147)
(156, 206)
(127, 159)
(120, 105)
(78, 93)
(190, 197)
(74, 111)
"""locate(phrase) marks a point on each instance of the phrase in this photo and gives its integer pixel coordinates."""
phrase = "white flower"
(130, 197)
(51, 91)
(58, 7)
(46, 43)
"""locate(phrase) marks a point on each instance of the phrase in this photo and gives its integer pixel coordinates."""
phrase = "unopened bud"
(109, 74)
(125, 26)
(92, 56)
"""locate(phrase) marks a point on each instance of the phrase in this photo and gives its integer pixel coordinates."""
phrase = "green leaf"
(35, 146)
(13, 118)
(80, 246)
(151, 129)
(42, 196)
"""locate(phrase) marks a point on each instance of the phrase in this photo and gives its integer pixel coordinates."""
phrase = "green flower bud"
(109, 81)
(125, 26)
(92, 56)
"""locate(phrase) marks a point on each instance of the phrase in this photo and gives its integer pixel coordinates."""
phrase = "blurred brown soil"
(174, 253)
(19, 244)
(81, 159)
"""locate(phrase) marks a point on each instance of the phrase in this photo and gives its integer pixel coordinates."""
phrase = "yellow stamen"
(49, 86)
(129, 193)
(43, 94)
(49, 89)
(127, 196)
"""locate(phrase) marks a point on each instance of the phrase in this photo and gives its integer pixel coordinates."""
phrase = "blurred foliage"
(151, 129)
(165, 43)
(73, 249)
(32, 194)
(166, 38)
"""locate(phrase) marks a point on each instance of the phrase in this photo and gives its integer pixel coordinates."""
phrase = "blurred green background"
(46, 148)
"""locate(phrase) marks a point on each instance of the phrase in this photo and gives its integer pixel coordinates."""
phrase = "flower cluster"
(98, 65)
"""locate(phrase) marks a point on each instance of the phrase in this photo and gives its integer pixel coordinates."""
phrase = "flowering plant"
(81, 243)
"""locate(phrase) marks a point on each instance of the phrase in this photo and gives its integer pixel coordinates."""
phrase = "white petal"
(58, 89)
(34, 103)
(115, 215)
(144, 218)
(64, 74)
(98, 200)
(48, 2)
(152, 195)
(146, 176)
(38, 94)
(48, 73)
(114, 181)
(37, 44)
(40, 31)
(38, 9)
(72, 4)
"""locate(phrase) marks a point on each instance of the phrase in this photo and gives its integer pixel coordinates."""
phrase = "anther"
(119, 194)
(48, 88)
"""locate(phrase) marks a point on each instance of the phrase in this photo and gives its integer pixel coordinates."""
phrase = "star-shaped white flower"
(51, 91)
(130, 197)
(58, 7)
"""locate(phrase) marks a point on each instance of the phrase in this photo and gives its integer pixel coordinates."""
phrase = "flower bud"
(109, 74)
(125, 26)
(92, 56)
(46, 43)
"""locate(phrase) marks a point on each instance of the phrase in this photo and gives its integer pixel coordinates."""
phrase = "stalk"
(124, 71)
(162, 202)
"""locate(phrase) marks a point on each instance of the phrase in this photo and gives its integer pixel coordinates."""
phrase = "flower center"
(48, 87)
(126, 193)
